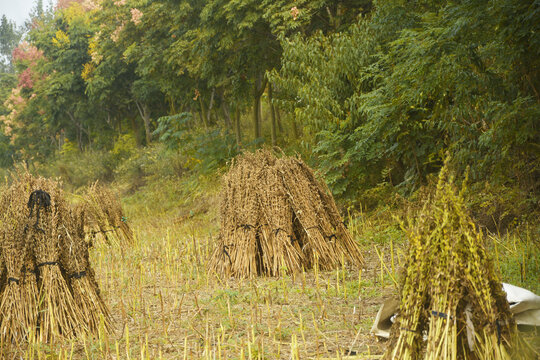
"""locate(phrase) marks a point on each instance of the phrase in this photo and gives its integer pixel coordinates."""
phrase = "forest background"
(373, 94)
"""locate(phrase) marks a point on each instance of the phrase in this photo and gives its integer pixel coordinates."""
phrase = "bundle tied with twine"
(106, 221)
(452, 302)
(60, 315)
(18, 300)
(276, 216)
(46, 294)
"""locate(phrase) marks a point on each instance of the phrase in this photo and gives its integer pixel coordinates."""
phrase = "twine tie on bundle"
(225, 247)
(409, 330)
(12, 279)
(291, 238)
(93, 232)
(38, 199)
(46, 263)
(78, 275)
(245, 226)
(330, 237)
(440, 314)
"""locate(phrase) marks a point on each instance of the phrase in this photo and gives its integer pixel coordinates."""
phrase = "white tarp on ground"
(524, 304)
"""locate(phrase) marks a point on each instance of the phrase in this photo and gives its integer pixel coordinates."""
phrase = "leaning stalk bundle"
(75, 260)
(14, 243)
(59, 313)
(30, 292)
(46, 292)
(107, 221)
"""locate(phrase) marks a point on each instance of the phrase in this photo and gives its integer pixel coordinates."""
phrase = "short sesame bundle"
(46, 293)
(106, 219)
(452, 302)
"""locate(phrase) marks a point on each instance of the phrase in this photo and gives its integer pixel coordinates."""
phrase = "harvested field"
(165, 305)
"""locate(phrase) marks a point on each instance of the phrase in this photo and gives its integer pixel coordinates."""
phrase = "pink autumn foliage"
(27, 52)
(136, 16)
(26, 79)
(87, 5)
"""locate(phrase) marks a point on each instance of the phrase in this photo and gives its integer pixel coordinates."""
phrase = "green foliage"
(6, 151)
(172, 129)
(212, 150)
(370, 92)
(411, 82)
(77, 169)
(9, 38)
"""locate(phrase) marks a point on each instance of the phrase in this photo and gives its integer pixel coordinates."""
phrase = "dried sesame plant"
(46, 292)
(60, 315)
(452, 302)
(275, 215)
(106, 219)
(17, 295)
(76, 262)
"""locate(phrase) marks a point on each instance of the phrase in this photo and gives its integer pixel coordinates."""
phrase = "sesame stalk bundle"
(46, 293)
(106, 219)
(275, 215)
(452, 302)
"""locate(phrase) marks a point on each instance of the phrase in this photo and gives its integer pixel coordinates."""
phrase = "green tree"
(9, 38)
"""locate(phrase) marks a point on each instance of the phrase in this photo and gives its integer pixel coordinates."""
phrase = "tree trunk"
(210, 106)
(80, 129)
(61, 139)
(238, 130)
(135, 129)
(278, 118)
(227, 114)
(272, 116)
(145, 115)
(296, 131)
(203, 112)
(258, 89)
(256, 122)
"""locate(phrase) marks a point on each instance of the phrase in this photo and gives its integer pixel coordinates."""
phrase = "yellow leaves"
(93, 50)
(76, 12)
(60, 39)
(86, 73)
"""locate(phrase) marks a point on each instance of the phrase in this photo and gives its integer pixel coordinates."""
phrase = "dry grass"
(164, 303)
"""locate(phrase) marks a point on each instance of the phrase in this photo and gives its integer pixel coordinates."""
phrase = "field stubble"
(165, 305)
